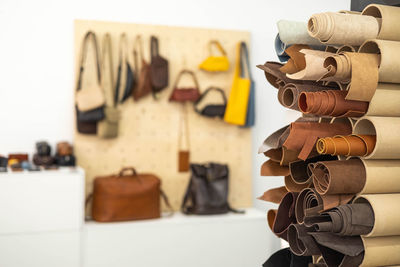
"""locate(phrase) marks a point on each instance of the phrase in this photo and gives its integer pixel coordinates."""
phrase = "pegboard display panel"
(148, 129)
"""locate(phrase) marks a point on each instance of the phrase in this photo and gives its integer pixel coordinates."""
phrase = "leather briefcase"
(127, 196)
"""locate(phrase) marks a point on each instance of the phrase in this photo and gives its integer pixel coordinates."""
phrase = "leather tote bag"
(215, 63)
(159, 70)
(127, 196)
(142, 70)
(211, 110)
(125, 76)
(185, 94)
(236, 109)
(251, 105)
(108, 127)
(207, 192)
(87, 120)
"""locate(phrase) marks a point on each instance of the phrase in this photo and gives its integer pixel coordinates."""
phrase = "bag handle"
(123, 48)
(107, 55)
(138, 51)
(218, 45)
(188, 72)
(244, 61)
(125, 170)
(153, 46)
(203, 95)
(90, 36)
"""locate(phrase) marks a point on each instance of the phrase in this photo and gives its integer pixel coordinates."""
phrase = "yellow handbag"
(215, 63)
(236, 109)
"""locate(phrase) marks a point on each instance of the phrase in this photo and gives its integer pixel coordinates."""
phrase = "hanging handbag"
(143, 78)
(211, 110)
(184, 94)
(183, 154)
(89, 97)
(159, 72)
(251, 105)
(207, 192)
(215, 63)
(127, 196)
(87, 120)
(108, 128)
(236, 109)
(125, 77)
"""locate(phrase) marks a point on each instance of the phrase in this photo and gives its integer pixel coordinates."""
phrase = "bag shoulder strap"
(244, 61)
(187, 72)
(137, 52)
(107, 55)
(90, 36)
(203, 95)
(218, 45)
(153, 46)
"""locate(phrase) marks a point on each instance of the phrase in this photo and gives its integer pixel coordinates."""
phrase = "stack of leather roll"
(341, 159)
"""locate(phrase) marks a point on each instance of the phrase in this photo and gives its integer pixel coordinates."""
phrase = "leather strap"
(107, 55)
(138, 52)
(184, 127)
(122, 60)
(153, 46)
(244, 61)
(212, 88)
(189, 72)
(218, 45)
(90, 36)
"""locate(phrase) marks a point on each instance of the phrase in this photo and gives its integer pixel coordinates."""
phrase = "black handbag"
(130, 77)
(207, 192)
(43, 148)
(68, 160)
(211, 110)
(87, 120)
(3, 162)
(159, 72)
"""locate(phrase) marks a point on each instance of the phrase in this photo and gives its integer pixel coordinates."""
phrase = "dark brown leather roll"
(350, 220)
(300, 242)
(285, 215)
(126, 196)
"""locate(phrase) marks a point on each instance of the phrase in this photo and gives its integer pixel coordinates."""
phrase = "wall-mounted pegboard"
(148, 130)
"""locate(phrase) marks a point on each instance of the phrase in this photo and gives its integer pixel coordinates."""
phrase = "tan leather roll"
(386, 101)
(387, 131)
(382, 176)
(337, 28)
(386, 213)
(274, 195)
(295, 32)
(389, 63)
(351, 145)
(292, 186)
(381, 251)
(389, 28)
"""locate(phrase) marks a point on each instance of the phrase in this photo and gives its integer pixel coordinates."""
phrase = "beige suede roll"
(381, 251)
(387, 131)
(389, 63)
(389, 27)
(382, 176)
(386, 101)
(338, 28)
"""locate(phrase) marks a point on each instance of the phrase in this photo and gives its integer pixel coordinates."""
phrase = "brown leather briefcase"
(127, 196)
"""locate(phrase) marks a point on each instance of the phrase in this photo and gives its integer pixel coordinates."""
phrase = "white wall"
(36, 59)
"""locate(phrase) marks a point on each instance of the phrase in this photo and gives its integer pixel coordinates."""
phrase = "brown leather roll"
(351, 145)
(332, 177)
(300, 242)
(285, 215)
(296, 61)
(271, 215)
(273, 74)
(304, 135)
(331, 103)
(274, 195)
(348, 220)
(272, 168)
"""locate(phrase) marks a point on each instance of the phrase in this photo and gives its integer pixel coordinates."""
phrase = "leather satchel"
(64, 149)
(127, 196)
(143, 77)
(207, 192)
(185, 94)
(159, 70)
(211, 110)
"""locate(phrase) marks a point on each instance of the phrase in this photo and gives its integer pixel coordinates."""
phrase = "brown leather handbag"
(143, 78)
(185, 94)
(64, 149)
(158, 68)
(127, 196)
